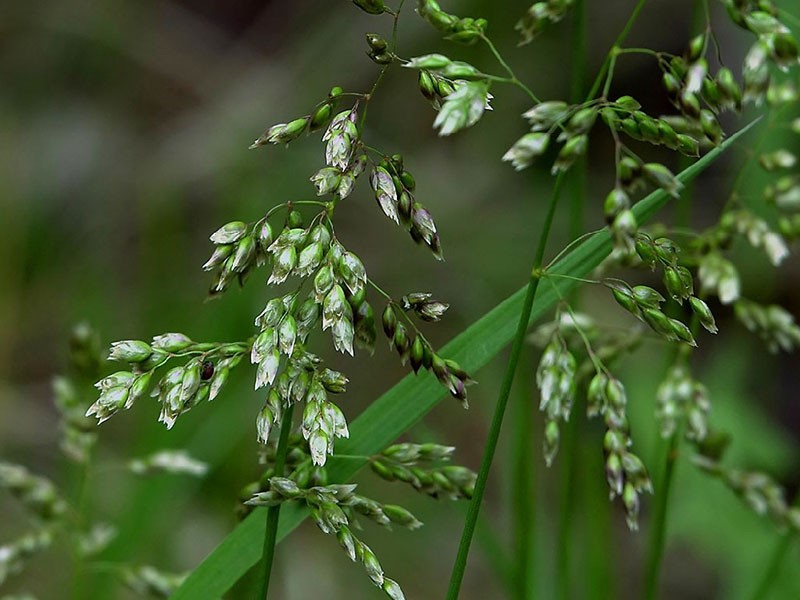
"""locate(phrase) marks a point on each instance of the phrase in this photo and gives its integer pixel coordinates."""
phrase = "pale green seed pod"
(134, 351)
(545, 114)
(582, 121)
(326, 180)
(427, 86)
(364, 325)
(244, 253)
(287, 335)
(628, 103)
(667, 134)
(729, 88)
(630, 499)
(671, 83)
(335, 307)
(272, 313)
(309, 259)
(596, 394)
(689, 104)
(333, 381)
(659, 322)
(682, 332)
(221, 252)
(688, 145)
(392, 589)
(372, 7)
(229, 233)
(614, 474)
(190, 382)
(648, 127)
(626, 300)
(615, 442)
(631, 127)
(711, 126)
(646, 296)
(352, 272)
(401, 342)
(628, 170)
(550, 441)
(264, 422)
(171, 342)
(293, 129)
(703, 313)
(283, 265)
(663, 178)
(389, 322)
(711, 93)
(645, 250)
(674, 284)
(615, 394)
(573, 149)
(321, 117)
(417, 354)
(382, 471)
(616, 202)
(696, 46)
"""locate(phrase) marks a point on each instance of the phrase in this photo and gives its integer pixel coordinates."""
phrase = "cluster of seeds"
(435, 87)
(645, 302)
(37, 494)
(559, 376)
(149, 581)
(773, 324)
(334, 509)
(413, 348)
(465, 30)
(458, 90)
(539, 16)
(78, 433)
(555, 378)
(625, 115)
(378, 49)
(394, 188)
(784, 193)
(14, 554)
(625, 472)
(681, 398)
(774, 43)
(283, 133)
(415, 464)
(180, 389)
(762, 493)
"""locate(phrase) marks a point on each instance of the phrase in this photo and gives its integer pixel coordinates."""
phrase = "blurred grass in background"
(124, 129)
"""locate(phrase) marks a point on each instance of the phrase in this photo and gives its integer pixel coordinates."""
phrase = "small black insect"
(207, 370)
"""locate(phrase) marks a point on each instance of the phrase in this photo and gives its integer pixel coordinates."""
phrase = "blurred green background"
(124, 129)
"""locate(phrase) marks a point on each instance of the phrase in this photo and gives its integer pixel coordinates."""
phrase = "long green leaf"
(407, 402)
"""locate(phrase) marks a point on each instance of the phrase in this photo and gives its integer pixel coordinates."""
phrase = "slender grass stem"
(522, 489)
(505, 390)
(617, 43)
(566, 510)
(512, 78)
(271, 532)
(659, 525)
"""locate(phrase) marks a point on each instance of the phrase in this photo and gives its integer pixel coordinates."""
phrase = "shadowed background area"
(124, 129)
